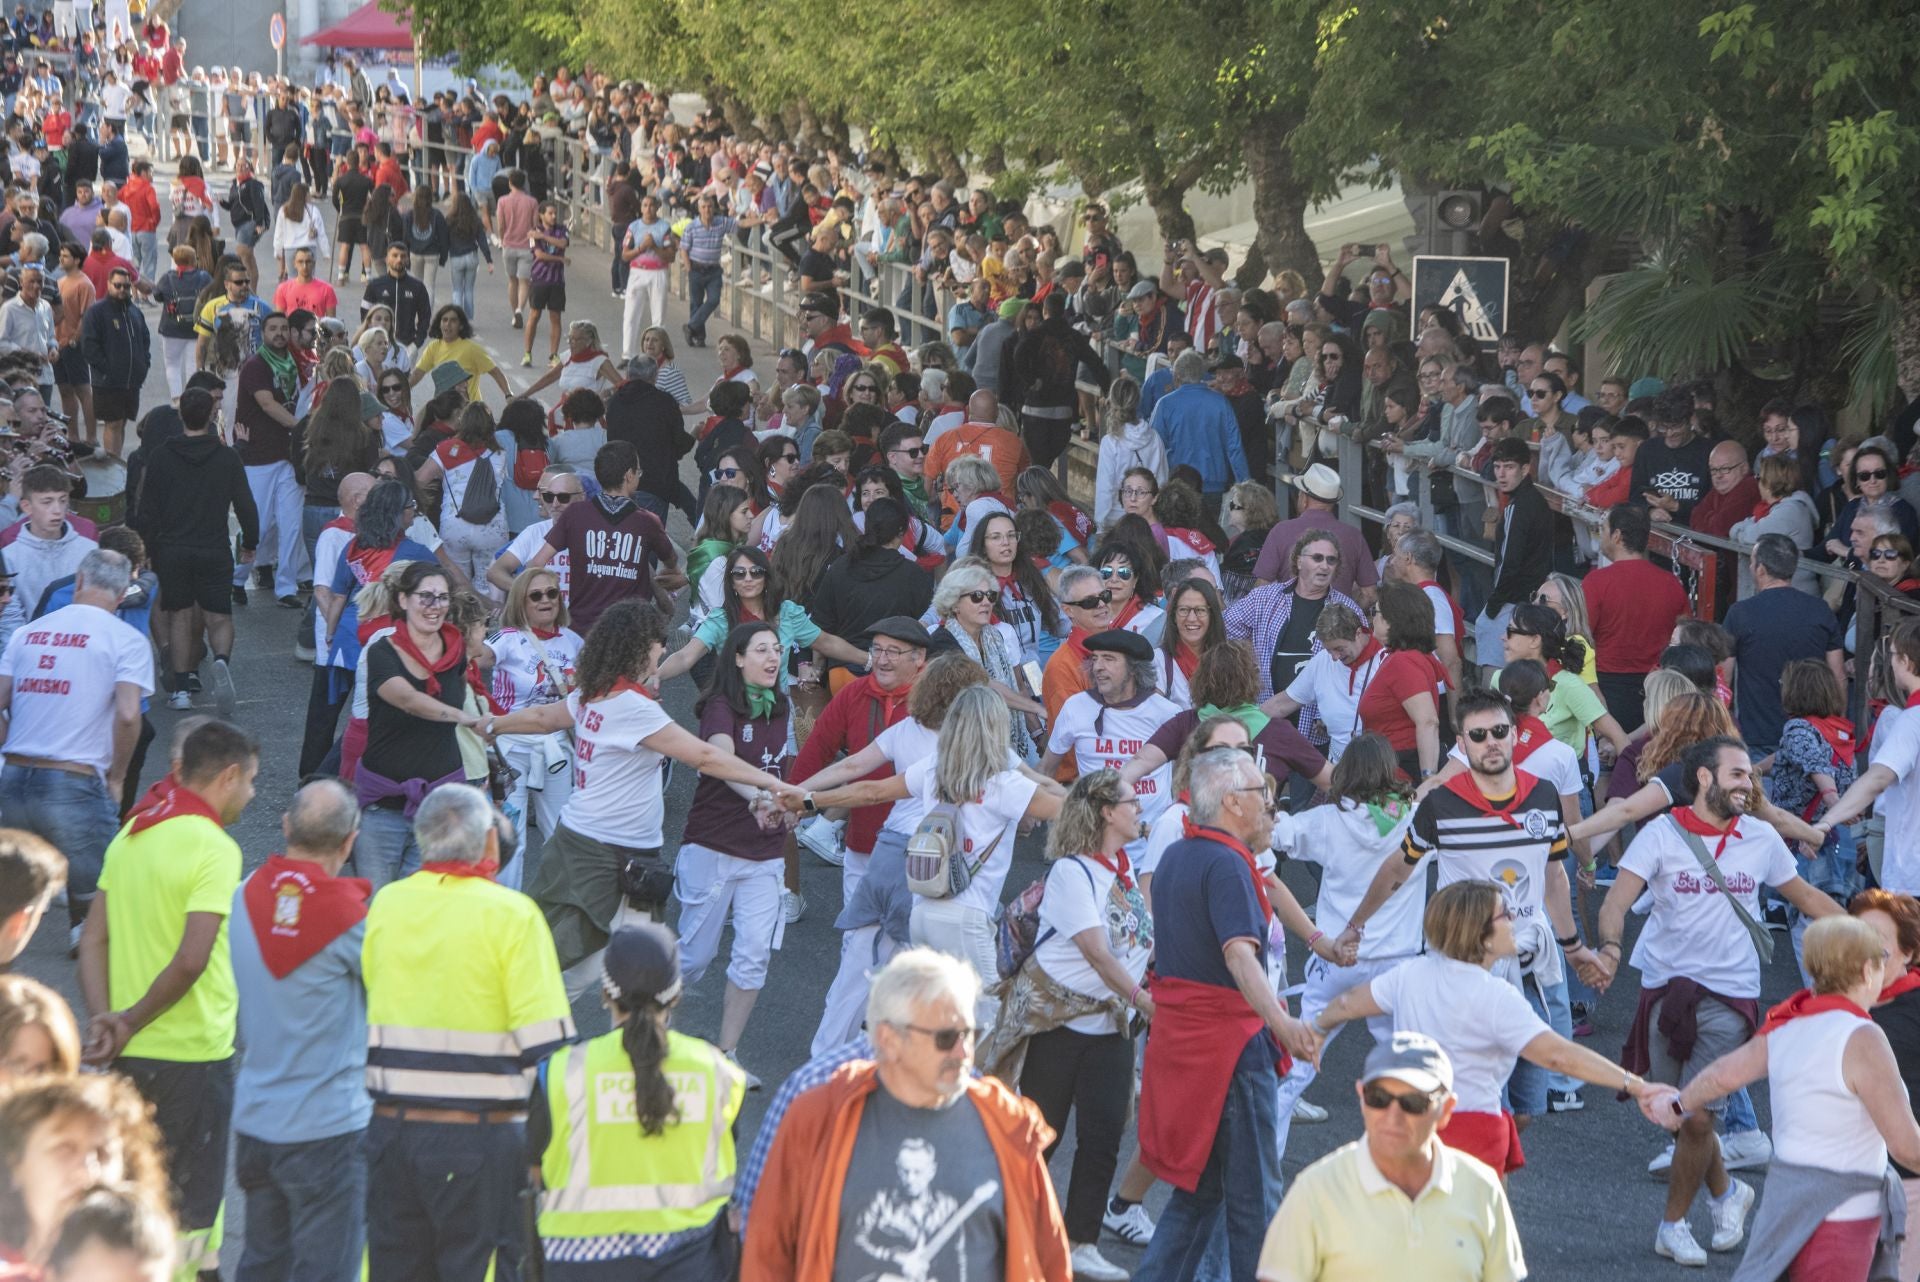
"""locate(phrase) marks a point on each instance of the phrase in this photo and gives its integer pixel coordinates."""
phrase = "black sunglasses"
(544, 594)
(1877, 474)
(1499, 733)
(944, 1039)
(1090, 602)
(1378, 1097)
(746, 572)
(979, 596)
(1884, 554)
(559, 497)
(917, 451)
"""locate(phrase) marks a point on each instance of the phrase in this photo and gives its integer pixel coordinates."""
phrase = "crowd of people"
(909, 647)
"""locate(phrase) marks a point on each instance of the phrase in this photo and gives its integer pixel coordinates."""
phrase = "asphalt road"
(1586, 1209)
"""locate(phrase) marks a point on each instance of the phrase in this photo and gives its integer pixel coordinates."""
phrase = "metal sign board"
(1474, 289)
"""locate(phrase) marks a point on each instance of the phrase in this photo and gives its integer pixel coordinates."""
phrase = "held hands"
(1338, 950)
(1595, 969)
(107, 1036)
(1300, 1041)
(1661, 1105)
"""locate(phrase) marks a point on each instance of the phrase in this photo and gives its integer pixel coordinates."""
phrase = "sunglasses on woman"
(1884, 554)
(980, 596)
(1116, 572)
(1498, 733)
(739, 572)
(725, 473)
(1378, 1097)
(868, 388)
(540, 596)
(1877, 474)
(388, 389)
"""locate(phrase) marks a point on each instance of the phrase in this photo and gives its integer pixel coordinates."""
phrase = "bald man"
(981, 434)
(1733, 495)
(324, 701)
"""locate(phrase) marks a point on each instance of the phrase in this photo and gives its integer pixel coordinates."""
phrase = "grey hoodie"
(36, 564)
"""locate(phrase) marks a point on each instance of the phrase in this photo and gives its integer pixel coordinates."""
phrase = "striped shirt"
(671, 380)
(704, 243)
(815, 1071)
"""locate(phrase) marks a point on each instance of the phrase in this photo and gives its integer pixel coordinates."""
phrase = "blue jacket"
(1200, 430)
(113, 336)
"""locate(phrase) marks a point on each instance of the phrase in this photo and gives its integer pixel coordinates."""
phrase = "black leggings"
(1091, 1076)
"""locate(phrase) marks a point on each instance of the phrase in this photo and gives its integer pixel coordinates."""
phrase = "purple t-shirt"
(1286, 748)
(544, 272)
(720, 818)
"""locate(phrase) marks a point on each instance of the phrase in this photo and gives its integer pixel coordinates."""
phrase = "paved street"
(1585, 1206)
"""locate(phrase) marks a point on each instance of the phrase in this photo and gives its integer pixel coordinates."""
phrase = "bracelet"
(1317, 936)
(1133, 998)
(1571, 941)
(1609, 943)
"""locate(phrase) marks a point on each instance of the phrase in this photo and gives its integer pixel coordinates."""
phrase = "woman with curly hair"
(60, 1137)
(603, 860)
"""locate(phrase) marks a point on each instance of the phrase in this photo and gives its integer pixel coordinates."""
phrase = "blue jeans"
(146, 253)
(313, 519)
(306, 1208)
(73, 811)
(1739, 1114)
(385, 850)
(703, 296)
(1240, 1188)
(465, 270)
(1527, 1088)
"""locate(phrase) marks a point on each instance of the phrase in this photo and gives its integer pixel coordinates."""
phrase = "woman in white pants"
(648, 249)
(602, 862)
(534, 657)
(738, 867)
(471, 541)
(1350, 838)
(974, 776)
(178, 292)
(299, 226)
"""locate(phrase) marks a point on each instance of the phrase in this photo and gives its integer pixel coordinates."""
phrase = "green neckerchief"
(286, 376)
(705, 553)
(1386, 818)
(760, 701)
(1247, 714)
(915, 488)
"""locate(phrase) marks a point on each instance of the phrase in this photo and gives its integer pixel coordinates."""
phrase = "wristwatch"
(806, 804)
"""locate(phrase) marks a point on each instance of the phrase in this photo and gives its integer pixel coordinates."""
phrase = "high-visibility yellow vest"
(602, 1175)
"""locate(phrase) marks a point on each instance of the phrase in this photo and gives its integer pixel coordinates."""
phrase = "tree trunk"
(742, 121)
(1279, 200)
(1166, 192)
(1253, 272)
(949, 165)
(1906, 341)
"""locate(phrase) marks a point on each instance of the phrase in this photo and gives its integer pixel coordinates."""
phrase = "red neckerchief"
(453, 650)
(339, 523)
(1913, 700)
(1908, 981)
(1761, 509)
(1804, 1003)
(1463, 787)
(1120, 619)
(542, 633)
(625, 683)
(1073, 519)
(478, 684)
(1367, 651)
(594, 354)
(155, 796)
(1688, 819)
(1838, 732)
(1907, 585)
(459, 452)
(1118, 866)
(1200, 543)
(177, 802)
(454, 868)
(1185, 657)
(1193, 832)
(297, 910)
(1077, 642)
(1530, 734)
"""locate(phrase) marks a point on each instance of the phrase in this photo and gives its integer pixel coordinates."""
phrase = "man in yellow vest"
(463, 1002)
(635, 1132)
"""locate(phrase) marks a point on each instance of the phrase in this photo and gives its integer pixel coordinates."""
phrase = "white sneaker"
(1730, 1215)
(1746, 1150)
(821, 835)
(1089, 1263)
(1307, 1112)
(221, 677)
(793, 904)
(1675, 1241)
(1132, 1226)
(753, 1079)
(180, 701)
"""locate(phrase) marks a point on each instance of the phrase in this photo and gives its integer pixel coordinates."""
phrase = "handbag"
(1762, 941)
(646, 880)
(937, 866)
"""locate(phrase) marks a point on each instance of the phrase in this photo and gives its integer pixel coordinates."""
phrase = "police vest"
(603, 1175)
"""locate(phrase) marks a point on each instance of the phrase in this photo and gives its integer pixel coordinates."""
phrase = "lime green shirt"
(152, 881)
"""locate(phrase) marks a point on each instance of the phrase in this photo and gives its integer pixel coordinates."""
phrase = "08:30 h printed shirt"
(1104, 738)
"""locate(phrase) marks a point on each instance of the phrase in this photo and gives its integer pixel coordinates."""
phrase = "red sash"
(297, 910)
(1199, 1032)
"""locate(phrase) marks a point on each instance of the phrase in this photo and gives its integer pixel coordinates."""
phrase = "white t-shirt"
(529, 670)
(327, 551)
(527, 544)
(1690, 933)
(1335, 689)
(1147, 621)
(1170, 681)
(423, 533)
(1103, 738)
(1442, 611)
(1480, 1020)
(1346, 841)
(993, 817)
(905, 742)
(1082, 893)
(64, 667)
(616, 781)
(1898, 749)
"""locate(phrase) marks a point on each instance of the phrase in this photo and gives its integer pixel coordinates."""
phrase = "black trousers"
(444, 1201)
(1625, 694)
(193, 1109)
(1046, 438)
(323, 715)
(1091, 1077)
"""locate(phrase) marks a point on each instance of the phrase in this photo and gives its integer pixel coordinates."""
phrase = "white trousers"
(963, 932)
(646, 286)
(863, 950)
(178, 354)
(1326, 981)
(852, 873)
(538, 795)
(279, 498)
(709, 886)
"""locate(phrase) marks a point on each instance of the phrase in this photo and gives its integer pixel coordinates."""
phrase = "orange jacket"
(791, 1236)
(995, 444)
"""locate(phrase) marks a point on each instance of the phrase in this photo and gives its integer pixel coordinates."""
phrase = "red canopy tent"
(368, 27)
